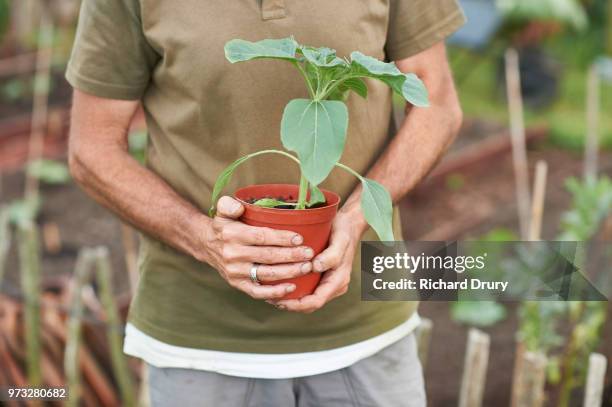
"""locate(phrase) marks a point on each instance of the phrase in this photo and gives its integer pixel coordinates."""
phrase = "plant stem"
(274, 152)
(301, 203)
(328, 91)
(352, 171)
(308, 84)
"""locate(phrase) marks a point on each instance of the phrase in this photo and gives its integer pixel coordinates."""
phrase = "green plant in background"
(608, 28)
(478, 313)
(568, 12)
(137, 145)
(483, 313)
(315, 128)
(5, 14)
(565, 118)
(22, 211)
(592, 203)
(455, 182)
(543, 324)
(49, 171)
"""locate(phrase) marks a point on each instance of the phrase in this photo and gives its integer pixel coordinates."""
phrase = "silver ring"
(254, 273)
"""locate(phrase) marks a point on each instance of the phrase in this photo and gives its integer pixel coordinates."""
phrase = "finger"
(267, 272)
(229, 208)
(331, 257)
(260, 236)
(330, 287)
(270, 254)
(265, 292)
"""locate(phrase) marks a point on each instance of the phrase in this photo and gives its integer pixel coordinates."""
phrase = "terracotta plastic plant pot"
(314, 225)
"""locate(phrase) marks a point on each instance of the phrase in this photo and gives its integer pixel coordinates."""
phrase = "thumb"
(229, 208)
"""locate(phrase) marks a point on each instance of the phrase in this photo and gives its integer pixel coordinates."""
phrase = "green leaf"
(316, 196)
(271, 203)
(23, 210)
(356, 85)
(478, 313)
(323, 57)
(409, 86)
(316, 131)
(377, 209)
(414, 91)
(241, 50)
(222, 180)
(49, 171)
(374, 66)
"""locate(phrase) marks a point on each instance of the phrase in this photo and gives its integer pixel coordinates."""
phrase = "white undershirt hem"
(260, 365)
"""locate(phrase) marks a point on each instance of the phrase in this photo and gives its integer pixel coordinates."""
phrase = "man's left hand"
(336, 262)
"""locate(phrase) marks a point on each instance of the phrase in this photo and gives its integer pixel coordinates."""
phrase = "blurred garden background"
(533, 161)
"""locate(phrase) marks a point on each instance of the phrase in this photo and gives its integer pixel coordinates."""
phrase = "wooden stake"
(114, 333)
(131, 257)
(517, 369)
(528, 387)
(41, 97)
(5, 240)
(596, 376)
(537, 205)
(29, 255)
(474, 369)
(517, 132)
(24, 16)
(423, 336)
(143, 394)
(591, 149)
(71, 356)
(52, 238)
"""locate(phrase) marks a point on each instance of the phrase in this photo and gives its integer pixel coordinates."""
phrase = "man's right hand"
(232, 248)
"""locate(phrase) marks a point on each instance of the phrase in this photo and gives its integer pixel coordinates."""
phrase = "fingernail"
(290, 288)
(319, 266)
(297, 240)
(280, 306)
(305, 267)
(271, 302)
(235, 206)
(309, 253)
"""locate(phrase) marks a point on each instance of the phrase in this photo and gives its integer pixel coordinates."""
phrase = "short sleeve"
(111, 57)
(415, 25)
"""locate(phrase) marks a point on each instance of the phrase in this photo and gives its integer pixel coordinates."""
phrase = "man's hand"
(232, 248)
(336, 261)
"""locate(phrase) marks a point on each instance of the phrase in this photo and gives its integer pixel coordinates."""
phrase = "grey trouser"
(389, 378)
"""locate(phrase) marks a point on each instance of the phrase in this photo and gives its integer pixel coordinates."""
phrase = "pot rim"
(276, 210)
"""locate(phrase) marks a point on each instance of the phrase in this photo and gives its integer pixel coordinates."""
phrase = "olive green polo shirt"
(203, 113)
